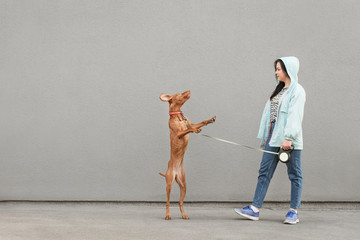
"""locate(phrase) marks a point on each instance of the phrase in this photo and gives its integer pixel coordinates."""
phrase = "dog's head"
(176, 100)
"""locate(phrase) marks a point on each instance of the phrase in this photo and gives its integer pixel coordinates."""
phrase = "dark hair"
(281, 85)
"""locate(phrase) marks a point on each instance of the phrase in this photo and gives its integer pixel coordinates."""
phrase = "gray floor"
(43, 220)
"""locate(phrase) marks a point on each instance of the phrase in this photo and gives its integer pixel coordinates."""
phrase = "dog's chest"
(178, 125)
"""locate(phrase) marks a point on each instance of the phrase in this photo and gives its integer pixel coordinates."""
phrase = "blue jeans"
(267, 168)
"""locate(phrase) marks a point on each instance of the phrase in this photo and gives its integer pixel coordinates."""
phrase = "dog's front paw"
(167, 217)
(197, 130)
(212, 120)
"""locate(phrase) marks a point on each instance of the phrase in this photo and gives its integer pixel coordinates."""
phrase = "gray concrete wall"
(80, 81)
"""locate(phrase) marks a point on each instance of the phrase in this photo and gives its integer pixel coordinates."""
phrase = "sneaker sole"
(292, 223)
(247, 216)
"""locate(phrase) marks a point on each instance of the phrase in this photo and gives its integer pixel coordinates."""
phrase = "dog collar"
(186, 121)
(173, 113)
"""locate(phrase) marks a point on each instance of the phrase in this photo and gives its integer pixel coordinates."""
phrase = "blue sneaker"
(248, 213)
(292, 217)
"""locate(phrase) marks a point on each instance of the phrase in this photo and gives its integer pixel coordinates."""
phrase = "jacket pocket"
(283, 115)
(284, 108)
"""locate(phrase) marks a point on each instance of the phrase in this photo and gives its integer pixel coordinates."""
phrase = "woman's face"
(280, 73)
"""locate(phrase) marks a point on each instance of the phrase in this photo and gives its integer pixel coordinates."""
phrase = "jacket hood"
(292, 65)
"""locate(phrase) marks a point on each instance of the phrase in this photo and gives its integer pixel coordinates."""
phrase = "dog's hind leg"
(169, 182)
(180, 179)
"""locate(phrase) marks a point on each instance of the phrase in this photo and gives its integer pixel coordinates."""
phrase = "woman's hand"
(286, 145)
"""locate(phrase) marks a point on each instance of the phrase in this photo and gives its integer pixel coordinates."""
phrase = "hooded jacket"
(290, 112)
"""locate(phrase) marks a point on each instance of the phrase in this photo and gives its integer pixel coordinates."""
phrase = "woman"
(281, 127)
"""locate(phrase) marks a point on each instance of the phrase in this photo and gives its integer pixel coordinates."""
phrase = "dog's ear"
(164, 97)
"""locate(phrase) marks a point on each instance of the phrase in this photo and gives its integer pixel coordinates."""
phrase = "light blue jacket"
(290, 114)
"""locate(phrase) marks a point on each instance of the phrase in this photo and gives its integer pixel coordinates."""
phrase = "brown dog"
(180, 127)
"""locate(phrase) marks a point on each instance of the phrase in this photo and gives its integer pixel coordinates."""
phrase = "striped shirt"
(275, 105)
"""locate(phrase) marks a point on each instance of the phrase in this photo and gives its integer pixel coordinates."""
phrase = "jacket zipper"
(267, 108)
(281, 100)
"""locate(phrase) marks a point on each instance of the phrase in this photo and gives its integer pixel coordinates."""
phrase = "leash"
(238, 144)
(284, 155)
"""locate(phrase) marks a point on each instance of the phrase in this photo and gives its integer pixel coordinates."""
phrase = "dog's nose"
(187, 94)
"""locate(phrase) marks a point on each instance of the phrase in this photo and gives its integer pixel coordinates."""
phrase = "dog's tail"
(162, 174)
